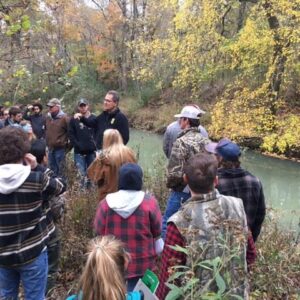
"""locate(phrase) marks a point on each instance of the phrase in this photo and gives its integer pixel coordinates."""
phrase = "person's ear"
(185, 179)
(216, 181)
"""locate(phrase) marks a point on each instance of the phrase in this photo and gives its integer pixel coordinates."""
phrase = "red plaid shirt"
(172, 258)
(138, 232)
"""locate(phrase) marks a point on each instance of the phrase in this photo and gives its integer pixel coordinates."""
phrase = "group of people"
(215, 207)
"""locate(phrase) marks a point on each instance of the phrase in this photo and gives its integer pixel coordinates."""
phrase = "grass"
(276, 274)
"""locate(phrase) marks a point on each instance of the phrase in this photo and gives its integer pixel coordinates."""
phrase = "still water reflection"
(280, 178)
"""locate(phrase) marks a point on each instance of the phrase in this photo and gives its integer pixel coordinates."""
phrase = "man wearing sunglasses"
(111, 117)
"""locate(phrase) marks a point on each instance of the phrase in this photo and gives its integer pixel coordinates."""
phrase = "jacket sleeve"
(72, 133)
(166, 143)
(123, 128)
(100, 217)
(52, 185)
(89, 122)
(260, 215)
(155, 219)
(175, 166)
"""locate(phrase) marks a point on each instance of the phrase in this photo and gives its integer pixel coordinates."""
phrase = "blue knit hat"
(130, 177)
(228, 150)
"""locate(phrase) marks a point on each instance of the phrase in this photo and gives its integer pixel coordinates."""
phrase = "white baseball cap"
(190, 112)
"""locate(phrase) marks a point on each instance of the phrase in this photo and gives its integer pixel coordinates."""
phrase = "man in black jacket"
(83, 140)
(37, 119)
(111, 117)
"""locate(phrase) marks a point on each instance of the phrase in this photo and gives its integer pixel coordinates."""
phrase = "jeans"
(56, 158)
(173, 204)
(82, 162)
(131, 283)
(32, 275)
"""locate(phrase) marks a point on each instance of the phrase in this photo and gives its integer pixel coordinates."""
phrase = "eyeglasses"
(108, 100)
(82, 105)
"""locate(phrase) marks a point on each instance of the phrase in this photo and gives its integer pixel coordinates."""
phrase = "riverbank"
(155, 117)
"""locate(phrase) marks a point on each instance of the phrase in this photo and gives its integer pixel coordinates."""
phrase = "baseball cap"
(228, 150)
(83, 101)
(190, 112)
(53, 102)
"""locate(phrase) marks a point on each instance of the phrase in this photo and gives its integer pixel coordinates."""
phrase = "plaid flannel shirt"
(139, 232)
(242, 184)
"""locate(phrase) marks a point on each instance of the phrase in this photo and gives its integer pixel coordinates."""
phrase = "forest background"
(238, 60)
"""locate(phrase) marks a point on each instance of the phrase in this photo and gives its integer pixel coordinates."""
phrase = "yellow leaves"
(287, 138)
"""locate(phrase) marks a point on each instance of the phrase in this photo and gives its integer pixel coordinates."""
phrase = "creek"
(280, 178)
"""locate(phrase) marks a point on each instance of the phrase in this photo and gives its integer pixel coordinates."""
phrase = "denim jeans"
(56, 158)
(131, 283)
(173, 204)
(33, 277)
(82, 162)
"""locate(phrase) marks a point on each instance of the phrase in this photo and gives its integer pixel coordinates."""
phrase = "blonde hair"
(111, 137)
(115, 150)
(103, 275)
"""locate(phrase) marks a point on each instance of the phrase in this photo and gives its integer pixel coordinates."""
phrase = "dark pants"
(53, 262)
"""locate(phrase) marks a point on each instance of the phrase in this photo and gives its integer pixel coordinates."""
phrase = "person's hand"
(30, 160)
(77, 116)
(29, 107)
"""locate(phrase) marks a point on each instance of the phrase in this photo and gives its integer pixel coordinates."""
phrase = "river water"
(280, 178)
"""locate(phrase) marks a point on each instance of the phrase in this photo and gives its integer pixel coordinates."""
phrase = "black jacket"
(114, 120)
(82, 137)
(38, 123)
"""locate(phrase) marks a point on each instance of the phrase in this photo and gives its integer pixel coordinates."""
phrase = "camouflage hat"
(53, 102)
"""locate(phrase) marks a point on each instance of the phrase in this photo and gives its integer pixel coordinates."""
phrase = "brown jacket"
(104, 170)
(57, 132)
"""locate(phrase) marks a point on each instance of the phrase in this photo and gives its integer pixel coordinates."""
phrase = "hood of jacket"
(125, 202)
(12, 176)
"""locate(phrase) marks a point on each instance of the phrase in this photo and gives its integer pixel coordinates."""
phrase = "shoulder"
(232, 205)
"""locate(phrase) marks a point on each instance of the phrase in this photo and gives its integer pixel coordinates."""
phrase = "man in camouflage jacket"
(188, 143)
(213, 230)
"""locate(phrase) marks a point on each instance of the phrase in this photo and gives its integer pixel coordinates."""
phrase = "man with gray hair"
(56, 136)
(110, 118)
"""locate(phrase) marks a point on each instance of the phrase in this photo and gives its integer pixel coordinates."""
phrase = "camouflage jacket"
(188, 143)
(215, 230)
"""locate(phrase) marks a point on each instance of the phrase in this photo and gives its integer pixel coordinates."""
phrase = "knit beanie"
(130, 177)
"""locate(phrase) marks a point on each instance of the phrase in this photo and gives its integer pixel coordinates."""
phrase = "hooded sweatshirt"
(135, 218)
(25, 224)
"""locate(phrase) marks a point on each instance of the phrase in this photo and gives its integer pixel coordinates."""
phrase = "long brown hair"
(103, 275)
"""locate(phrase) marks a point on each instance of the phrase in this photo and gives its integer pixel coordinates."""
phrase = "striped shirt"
(25, 221)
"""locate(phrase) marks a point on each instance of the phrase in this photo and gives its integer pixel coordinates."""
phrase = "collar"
(204, 197)
(186, 130)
